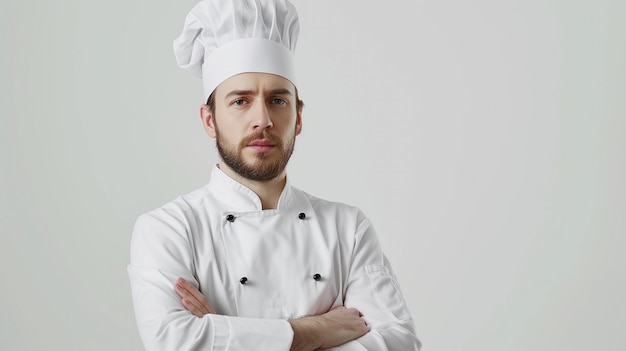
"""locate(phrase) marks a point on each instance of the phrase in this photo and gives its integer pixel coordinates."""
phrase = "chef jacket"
(259, 269)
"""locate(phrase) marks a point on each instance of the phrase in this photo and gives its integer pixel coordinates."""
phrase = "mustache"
(263, 134)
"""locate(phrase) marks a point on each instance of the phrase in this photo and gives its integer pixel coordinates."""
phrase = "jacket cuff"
(240, 333)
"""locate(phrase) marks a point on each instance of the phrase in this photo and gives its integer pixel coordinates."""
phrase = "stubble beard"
(264, 166)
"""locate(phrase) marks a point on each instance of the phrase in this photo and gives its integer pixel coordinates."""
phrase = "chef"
(249, 262)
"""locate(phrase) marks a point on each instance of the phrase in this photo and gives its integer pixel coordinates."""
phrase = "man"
(249, 262)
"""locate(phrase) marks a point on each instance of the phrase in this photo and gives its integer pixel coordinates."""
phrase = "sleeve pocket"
(386, 291)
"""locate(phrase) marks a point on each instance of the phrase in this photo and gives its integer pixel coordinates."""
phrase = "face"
(255, 124)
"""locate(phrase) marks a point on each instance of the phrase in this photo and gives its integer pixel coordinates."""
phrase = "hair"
(210, 102)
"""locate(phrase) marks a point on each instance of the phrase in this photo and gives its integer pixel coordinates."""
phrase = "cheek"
(288, 126)
(227, 130)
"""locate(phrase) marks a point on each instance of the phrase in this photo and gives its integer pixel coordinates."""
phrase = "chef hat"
(222, 38)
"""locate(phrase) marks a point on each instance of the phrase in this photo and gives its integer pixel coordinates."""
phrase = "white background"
(486, 140)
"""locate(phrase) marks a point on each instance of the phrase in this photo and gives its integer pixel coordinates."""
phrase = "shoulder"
(178, 212)
(163, 237)
(348, 223)
(318, 202)
(168, 229)
(339, 212)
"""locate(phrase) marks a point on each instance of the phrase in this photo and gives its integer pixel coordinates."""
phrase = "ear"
(207, 120)
(299, 122)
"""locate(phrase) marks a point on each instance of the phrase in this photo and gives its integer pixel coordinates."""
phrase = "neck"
(268, 191)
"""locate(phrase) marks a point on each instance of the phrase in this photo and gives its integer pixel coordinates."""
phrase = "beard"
(264, 166)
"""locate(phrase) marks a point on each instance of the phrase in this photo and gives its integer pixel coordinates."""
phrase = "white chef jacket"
(303, 258)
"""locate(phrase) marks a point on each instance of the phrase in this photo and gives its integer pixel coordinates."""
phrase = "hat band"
(246, 55)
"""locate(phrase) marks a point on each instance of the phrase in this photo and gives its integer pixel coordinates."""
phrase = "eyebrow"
(251, 92)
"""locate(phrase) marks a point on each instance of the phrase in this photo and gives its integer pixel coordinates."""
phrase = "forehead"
(254, 82)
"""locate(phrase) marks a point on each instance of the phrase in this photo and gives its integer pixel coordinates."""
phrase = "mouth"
(261, 145)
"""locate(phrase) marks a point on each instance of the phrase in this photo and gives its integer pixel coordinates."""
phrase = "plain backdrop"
(486, 140)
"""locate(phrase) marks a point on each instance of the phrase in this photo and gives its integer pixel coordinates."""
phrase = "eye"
(279, 101)
(238, 102)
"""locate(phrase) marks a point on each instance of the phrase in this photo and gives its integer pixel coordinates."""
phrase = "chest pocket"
(281, 264)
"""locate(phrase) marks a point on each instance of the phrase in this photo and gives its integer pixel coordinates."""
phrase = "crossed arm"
(167, 317)
(330, 329)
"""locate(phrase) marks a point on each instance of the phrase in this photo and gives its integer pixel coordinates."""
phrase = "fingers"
(189, 301)
(193, 308)
(192, 299)
(341, 325)
(348, 311)
(355, 321)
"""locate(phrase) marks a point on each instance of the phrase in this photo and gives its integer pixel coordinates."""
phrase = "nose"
(261, 117)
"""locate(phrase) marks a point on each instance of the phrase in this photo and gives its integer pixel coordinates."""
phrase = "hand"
(344, 324)
(330, 329)
(192, 299)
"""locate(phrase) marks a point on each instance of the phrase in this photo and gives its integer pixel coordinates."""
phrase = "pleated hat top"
(223, 38)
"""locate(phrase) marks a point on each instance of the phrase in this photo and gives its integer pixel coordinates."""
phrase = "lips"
(261, 143)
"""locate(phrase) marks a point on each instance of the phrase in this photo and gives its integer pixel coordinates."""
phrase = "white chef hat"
(222, 38)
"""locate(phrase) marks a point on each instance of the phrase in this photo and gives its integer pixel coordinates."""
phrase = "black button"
(243, 280)
(317, 276)
(230, 218)
(302, 215)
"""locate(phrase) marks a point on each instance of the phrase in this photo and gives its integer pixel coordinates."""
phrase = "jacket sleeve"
(160, 253)
(372, 288)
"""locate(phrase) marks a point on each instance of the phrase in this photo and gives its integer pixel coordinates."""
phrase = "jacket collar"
(237, 197)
